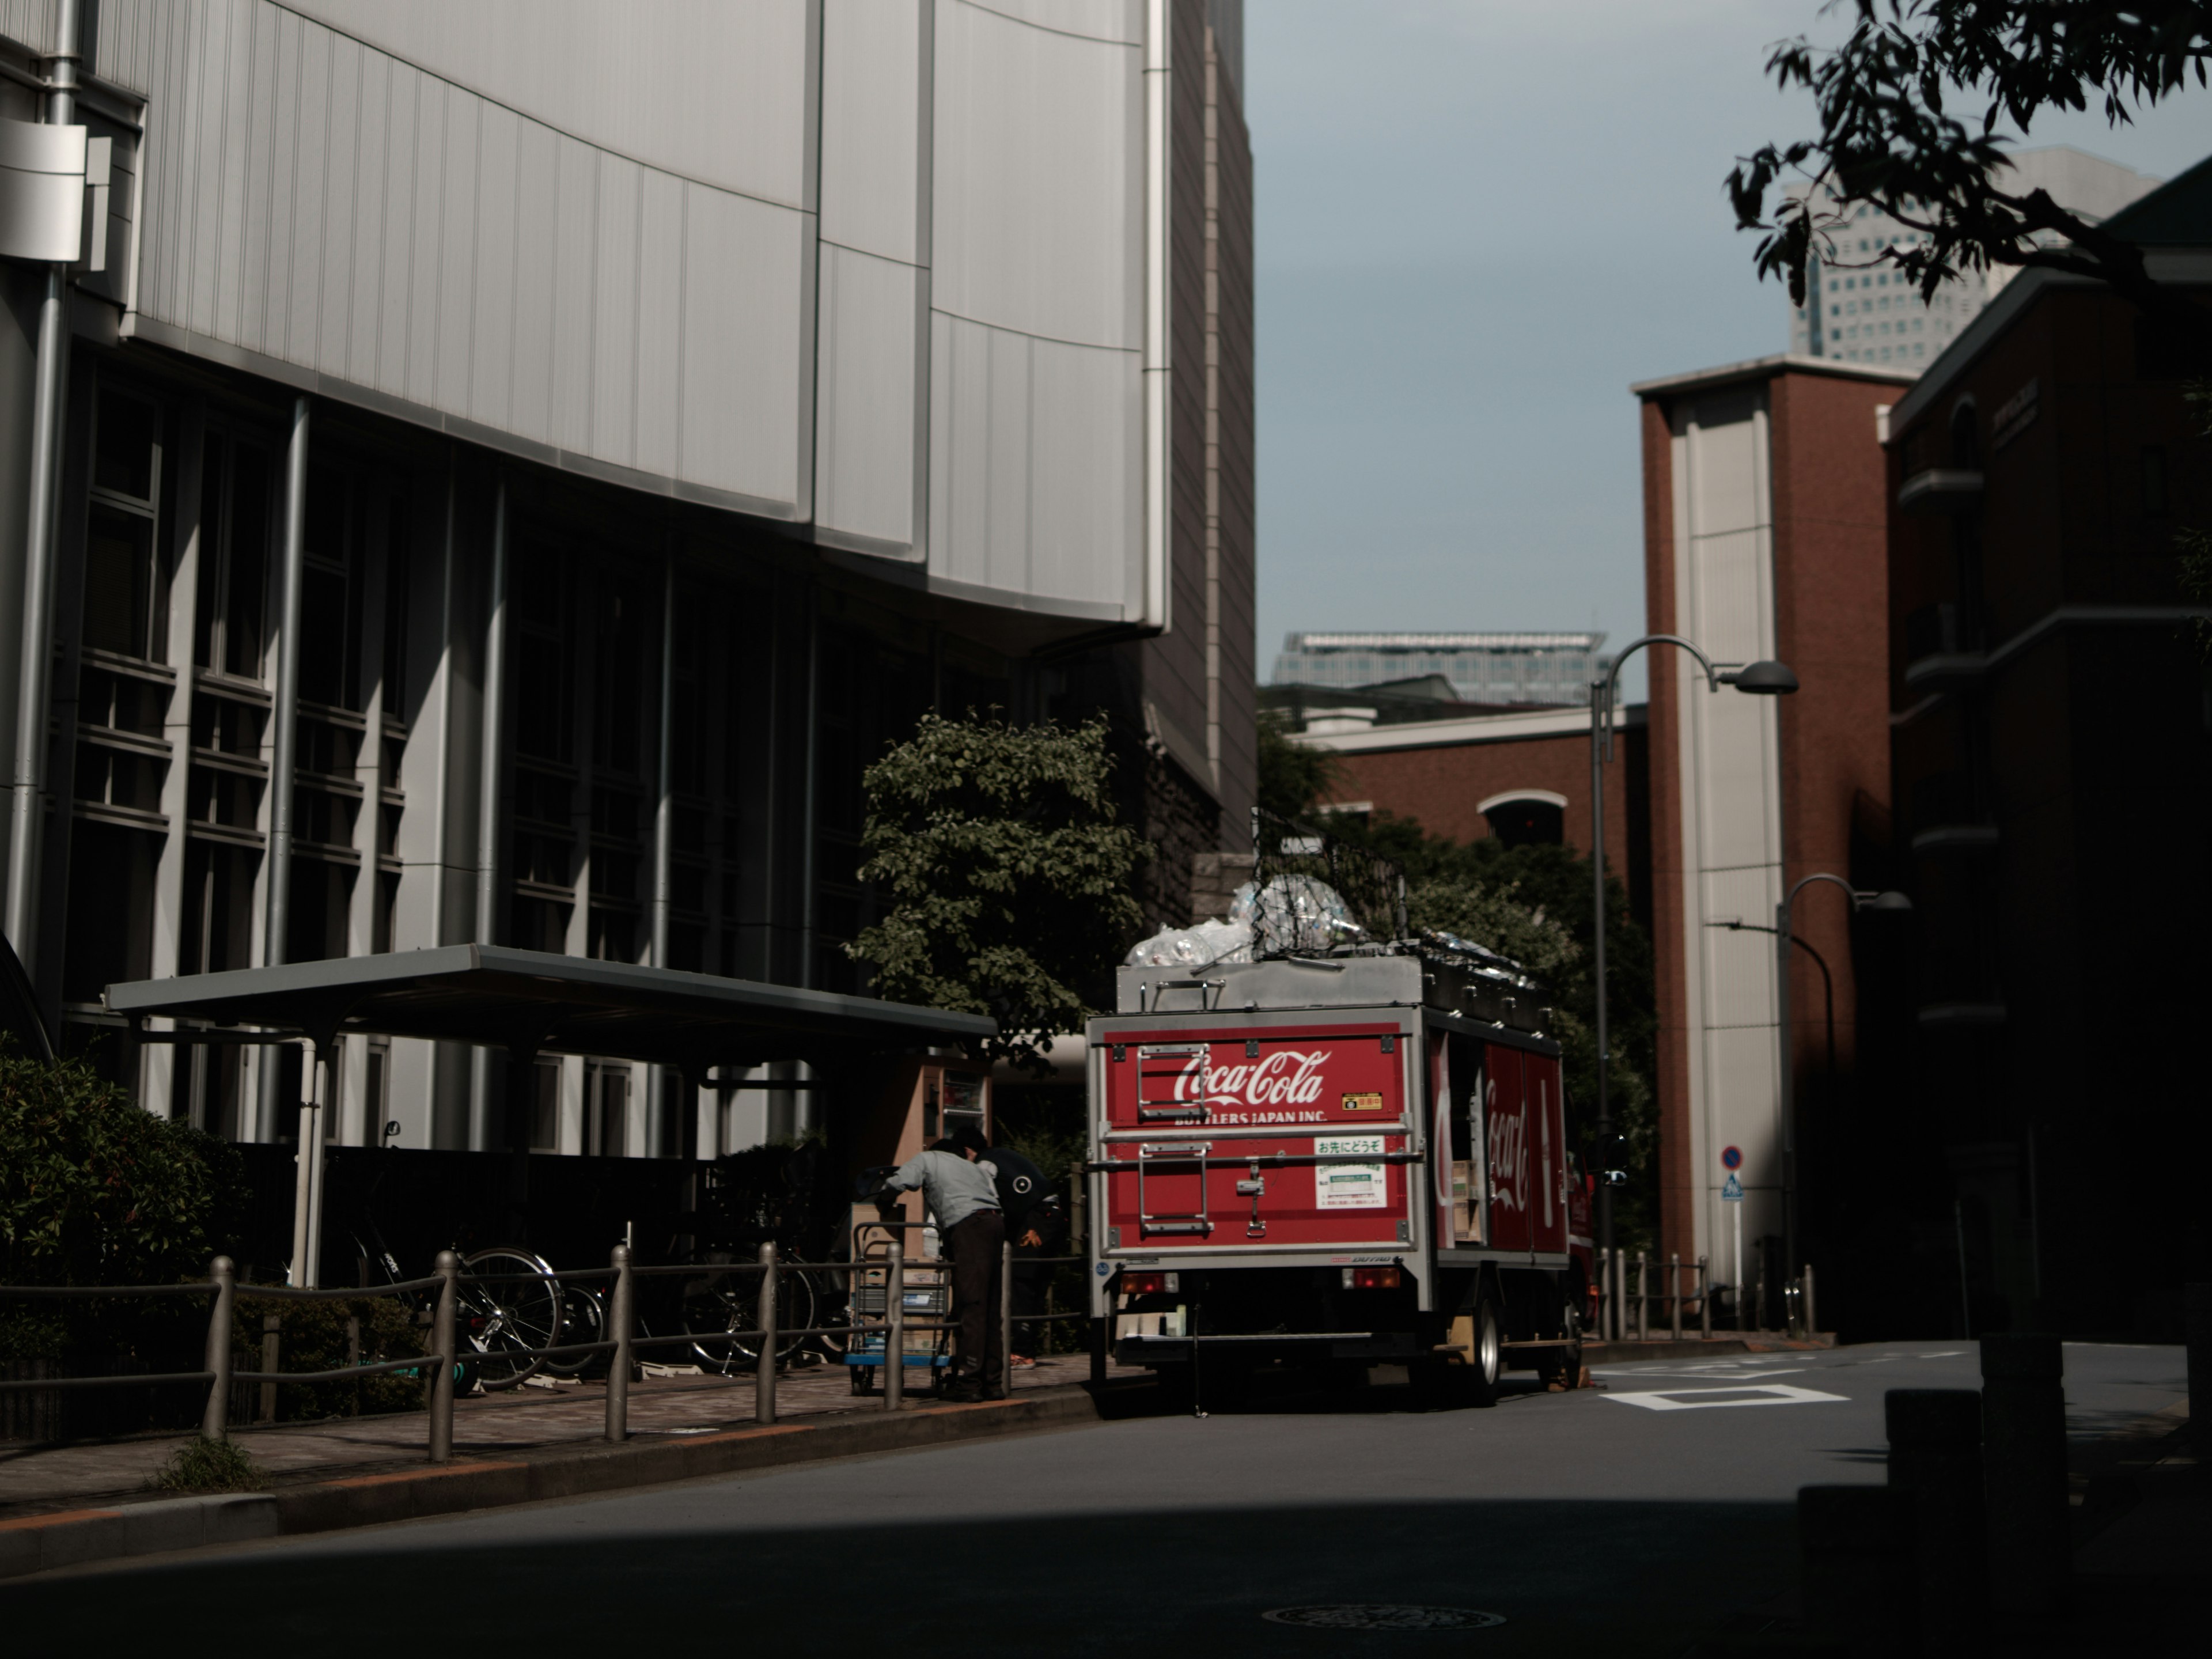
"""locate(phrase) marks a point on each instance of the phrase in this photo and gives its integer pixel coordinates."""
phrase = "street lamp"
(1766, 679)
(1889, 902)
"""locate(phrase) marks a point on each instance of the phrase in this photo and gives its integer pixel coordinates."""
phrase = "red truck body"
(1300, 1161)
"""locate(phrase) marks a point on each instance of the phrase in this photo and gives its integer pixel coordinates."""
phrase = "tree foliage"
(1912, 112)
(1292, 776)
(1534, 903)
(1006, 876)
(95, 1191)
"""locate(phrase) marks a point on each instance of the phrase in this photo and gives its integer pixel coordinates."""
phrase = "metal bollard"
(1812, 1322)
(2197, 1333)
(1005, 1321)
(272, 1361)
(1935, 1454)
(1642, 1296)
(1861, 1588)
(1704, 1301)
(215, 1421)
(1099, 1341)
(621, 1318)
(764, 1386)
(1675, 1292)
(2023, 1473)
(442, 1339)
(895, 1326)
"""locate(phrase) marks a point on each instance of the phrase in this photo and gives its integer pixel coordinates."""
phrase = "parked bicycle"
(508, 1303)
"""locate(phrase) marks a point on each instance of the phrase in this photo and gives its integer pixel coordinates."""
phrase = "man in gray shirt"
(962, 1194)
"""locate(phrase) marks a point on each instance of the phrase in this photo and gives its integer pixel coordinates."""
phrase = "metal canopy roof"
(531, 1001)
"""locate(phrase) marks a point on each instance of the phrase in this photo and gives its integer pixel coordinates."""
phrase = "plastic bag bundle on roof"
(1194, 947)
(1296, 913)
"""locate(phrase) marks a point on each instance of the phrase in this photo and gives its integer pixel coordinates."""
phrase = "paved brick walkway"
(37, 1479)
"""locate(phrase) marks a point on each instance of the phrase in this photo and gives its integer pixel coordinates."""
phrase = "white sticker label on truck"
(1348, 1186)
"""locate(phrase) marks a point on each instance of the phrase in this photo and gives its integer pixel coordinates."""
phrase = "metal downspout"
(491, 768)
(26, 804)
(284, 744)
(664, 831)
(806, 1110)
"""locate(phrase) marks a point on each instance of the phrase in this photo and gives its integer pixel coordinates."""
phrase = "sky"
(1477, 222)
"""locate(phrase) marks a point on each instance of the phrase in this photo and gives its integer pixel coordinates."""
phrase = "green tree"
(1533, 903)
(1006, 876)
(1292, 775)
(95, 1191)
(1912, 108)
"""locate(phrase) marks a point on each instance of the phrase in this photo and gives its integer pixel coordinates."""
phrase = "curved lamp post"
(1888, 902)
(1760, 679)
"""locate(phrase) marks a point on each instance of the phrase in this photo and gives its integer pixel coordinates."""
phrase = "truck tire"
(1486, 1364)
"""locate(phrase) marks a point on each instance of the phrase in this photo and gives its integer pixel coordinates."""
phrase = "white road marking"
(1714, 1370)
(1763, 1394)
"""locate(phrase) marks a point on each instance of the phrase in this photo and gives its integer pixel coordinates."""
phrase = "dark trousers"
(975, 1246)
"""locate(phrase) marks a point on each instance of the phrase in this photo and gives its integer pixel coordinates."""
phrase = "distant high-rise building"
(1538, 668)
(1857, 311)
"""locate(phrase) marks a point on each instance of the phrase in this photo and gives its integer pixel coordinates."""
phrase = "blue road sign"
(1732, 1193)
(1732, 1158)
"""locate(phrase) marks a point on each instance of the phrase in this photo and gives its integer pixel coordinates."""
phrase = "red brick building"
(1764, 537)
(2048, 715)
(1524, 775)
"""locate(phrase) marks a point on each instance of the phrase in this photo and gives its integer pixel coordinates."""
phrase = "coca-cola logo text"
(1286, 1078)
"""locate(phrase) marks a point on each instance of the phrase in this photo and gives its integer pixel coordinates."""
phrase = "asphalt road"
(1633, 1520)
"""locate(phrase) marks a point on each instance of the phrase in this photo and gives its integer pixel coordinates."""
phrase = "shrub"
(95, 1191)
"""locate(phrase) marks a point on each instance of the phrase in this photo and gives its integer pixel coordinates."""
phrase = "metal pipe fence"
(622, 1340)
(1626, 1315)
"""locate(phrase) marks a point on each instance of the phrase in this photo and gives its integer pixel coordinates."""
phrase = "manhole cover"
(1374, 1615)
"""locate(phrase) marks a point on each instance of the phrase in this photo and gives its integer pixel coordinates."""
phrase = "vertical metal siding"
(575, 234)
(659, 320)
(864, 384)
(492, 321)
(872, 158)
(614, 328)
(311, 197)
(536, 205)
(1039, 163)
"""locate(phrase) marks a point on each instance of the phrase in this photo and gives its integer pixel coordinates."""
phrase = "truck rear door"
(1205, 1116)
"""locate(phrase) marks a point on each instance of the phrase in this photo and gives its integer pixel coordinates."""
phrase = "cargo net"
(1312, 894)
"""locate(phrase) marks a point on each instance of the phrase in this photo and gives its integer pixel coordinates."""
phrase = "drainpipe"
(806, 1109)
(664, 831)
(283, 756)
(492, 767)
(26, 804)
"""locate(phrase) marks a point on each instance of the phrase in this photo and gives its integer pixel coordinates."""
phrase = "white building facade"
(595, 431)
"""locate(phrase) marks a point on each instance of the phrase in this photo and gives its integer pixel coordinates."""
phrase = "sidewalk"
(43, 1480)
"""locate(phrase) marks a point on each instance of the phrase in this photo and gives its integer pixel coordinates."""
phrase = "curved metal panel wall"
(590, 235)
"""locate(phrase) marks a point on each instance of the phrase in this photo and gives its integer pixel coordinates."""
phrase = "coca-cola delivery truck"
(1339, 1159)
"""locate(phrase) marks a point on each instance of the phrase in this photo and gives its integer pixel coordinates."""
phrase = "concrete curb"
(40, 1543)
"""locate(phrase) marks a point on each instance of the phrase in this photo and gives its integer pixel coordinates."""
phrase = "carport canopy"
(530, 1002)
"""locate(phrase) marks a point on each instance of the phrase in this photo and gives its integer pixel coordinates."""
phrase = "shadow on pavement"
(1615, 1578)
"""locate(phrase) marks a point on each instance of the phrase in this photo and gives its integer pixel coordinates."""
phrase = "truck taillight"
(1148, 1284)
(1371, 1278)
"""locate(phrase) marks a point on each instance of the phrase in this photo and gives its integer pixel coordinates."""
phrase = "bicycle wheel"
(505, 1310)
(716, 1310)
(583, 1317)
